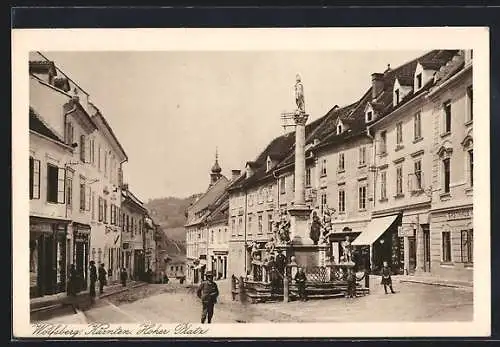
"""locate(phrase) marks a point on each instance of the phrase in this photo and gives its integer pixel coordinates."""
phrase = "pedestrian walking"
(73, 285)
(102, 278)
(351, 283)
(93, 280)
(300, 280)
(208, 292)
(386, 278)
(123, 277)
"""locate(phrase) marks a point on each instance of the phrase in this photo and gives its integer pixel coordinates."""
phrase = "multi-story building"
(133, 216)
(378, 165)
(403, 129)
(450, 244)
(88, 178)
(175, 267)
(197, 228)
(218, 237)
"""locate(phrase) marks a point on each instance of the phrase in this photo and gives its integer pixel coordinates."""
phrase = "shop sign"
(405, 232)
(460, 214)
(41, 227)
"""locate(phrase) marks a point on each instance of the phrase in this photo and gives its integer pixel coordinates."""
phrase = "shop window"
(446, 247)
(467, 243)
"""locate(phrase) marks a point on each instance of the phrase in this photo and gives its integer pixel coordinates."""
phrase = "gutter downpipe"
(374, 151)
(66, 166)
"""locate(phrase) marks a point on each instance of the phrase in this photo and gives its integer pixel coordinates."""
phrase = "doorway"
(427, 247)
(412, 250)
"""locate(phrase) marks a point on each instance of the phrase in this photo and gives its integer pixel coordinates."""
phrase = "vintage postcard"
(251, 182)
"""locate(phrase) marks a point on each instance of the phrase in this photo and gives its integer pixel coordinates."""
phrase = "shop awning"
(374, 230)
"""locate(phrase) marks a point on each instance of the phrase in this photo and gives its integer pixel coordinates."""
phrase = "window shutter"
(61, 183)
(88, 197)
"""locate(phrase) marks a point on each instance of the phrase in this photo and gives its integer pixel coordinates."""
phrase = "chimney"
(235, 174)
(377, 84)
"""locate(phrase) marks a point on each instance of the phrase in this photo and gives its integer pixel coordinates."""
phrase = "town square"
(251, 187)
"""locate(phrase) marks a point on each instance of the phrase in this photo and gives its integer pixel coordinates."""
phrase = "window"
(471, 167)
(105, 164)
(323, 167)
(417, 126)
(249, 225)
(466, 249)
(212, 236)
(446, 175)
(396, 96)
(362, 156)
(269, 223)
(341, 200)
(470, 114)
(308, 177)
(362, 197)
(383, 142)
(419, 80)
(282, 185)
(69, 134)
(82, 193)
(105, 214)
(259, 220)
(324, 205)
(82, 148)
(399, 133)
(240, 226)
(399, 180)
(233, 227)
(55, 184)
(447, 117)
(99, 159)
(88, 196)
(383, 185)
(128, 229)
(339, 129)
(101, 210)
(69, 188)
(369, 116)
(341, 162)
(34, 178)
(112, 213)
(93, 205)
(446, 246)
(92, 151)
(418, 174)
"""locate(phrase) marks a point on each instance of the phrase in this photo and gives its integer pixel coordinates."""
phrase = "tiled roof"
(39, 126)
(213, 193)
(353, 115)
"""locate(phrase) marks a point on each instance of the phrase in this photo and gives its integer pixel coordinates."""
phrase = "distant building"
(175, 267)
(197, 237)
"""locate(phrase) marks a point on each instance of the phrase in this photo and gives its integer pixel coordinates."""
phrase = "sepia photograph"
(202, 190)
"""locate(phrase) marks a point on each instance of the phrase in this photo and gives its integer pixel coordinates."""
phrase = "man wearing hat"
(208, 292)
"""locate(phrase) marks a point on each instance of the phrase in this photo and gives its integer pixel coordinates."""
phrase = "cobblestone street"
(173, 303)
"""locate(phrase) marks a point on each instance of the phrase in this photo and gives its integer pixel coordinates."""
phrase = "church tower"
(215, 173)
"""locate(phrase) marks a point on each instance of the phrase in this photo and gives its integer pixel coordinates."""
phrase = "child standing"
(386, 278)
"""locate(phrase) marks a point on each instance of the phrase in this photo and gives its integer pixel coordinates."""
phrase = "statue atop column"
(299, 95)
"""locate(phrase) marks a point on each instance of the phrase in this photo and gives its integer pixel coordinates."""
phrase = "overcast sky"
(170, 110)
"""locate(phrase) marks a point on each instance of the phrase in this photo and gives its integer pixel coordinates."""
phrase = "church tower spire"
(215, 173)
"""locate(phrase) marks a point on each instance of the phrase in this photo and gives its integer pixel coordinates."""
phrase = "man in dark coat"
(93, 280)
(386, 278)
(208, 292)
(300, 280)
(273, 275)
(123, 277)
(102, 278)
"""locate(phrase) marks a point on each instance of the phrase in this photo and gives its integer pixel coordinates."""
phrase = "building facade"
(88, 178)
(133, 238)
(389, 176)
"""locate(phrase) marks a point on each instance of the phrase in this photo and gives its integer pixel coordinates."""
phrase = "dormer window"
(418, 81)
(369, 116)
(339, 129)
(396, 97)
(269, 164)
